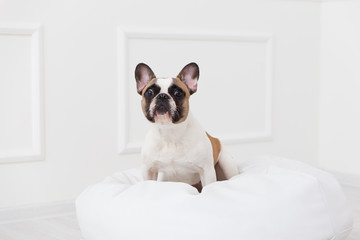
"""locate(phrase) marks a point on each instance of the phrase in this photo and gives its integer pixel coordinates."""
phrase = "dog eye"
(149, 93)
(178, 93)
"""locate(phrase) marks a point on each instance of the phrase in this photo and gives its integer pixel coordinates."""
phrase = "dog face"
(166, 100)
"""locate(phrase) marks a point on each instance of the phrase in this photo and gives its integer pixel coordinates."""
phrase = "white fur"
(181, 152)
(164, 84)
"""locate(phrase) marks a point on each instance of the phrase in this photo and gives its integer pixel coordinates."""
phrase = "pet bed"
(272, 198)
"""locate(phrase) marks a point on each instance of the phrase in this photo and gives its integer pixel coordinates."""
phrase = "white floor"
(54, 228)
(65, 227)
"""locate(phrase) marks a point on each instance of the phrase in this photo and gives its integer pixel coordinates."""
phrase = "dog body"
(180, 153)
(176, 145)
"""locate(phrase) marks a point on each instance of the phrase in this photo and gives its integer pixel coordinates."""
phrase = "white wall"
(340, 87)
(88, 85)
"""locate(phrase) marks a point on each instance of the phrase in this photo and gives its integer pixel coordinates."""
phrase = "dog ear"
(190, 75)
(143, 75)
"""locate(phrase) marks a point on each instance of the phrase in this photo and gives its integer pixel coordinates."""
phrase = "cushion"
(272, 198)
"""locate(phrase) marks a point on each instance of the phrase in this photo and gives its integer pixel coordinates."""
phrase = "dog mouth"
(161, 109)
(162, 113)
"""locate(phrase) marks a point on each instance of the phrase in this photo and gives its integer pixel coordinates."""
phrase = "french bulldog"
(176, 147)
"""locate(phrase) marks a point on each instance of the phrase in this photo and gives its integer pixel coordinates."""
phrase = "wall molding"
(124, 35)
(36, 211)
(38, 127)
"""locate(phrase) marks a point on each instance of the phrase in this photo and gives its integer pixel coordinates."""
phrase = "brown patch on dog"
(182, 85)
(216, 147)
(185, 101)
(145, 104)
(152, 81)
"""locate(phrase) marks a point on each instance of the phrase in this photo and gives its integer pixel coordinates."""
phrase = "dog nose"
(163, 96)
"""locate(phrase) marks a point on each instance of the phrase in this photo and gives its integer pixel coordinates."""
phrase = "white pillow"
(271, 199)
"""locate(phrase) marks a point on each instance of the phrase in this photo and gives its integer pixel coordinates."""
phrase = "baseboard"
(37, 211)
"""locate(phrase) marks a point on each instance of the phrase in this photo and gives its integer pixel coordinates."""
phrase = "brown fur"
(143, 101)
(185, 104)
(216, 147)
(147, 86)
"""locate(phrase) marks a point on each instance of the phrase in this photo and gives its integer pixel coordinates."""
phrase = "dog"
(176, 147)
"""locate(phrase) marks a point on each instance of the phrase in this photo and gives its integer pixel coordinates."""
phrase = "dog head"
(166, 100)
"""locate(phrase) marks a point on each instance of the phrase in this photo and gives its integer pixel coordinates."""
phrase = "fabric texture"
(272, 198)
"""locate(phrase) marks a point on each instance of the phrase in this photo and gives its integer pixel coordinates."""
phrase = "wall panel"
(237, 67)
(21, 122)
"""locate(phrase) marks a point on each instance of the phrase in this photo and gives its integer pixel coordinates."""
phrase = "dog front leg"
(150, 173)
(207, 175)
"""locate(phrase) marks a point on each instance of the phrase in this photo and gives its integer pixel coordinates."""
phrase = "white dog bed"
(272, 199)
